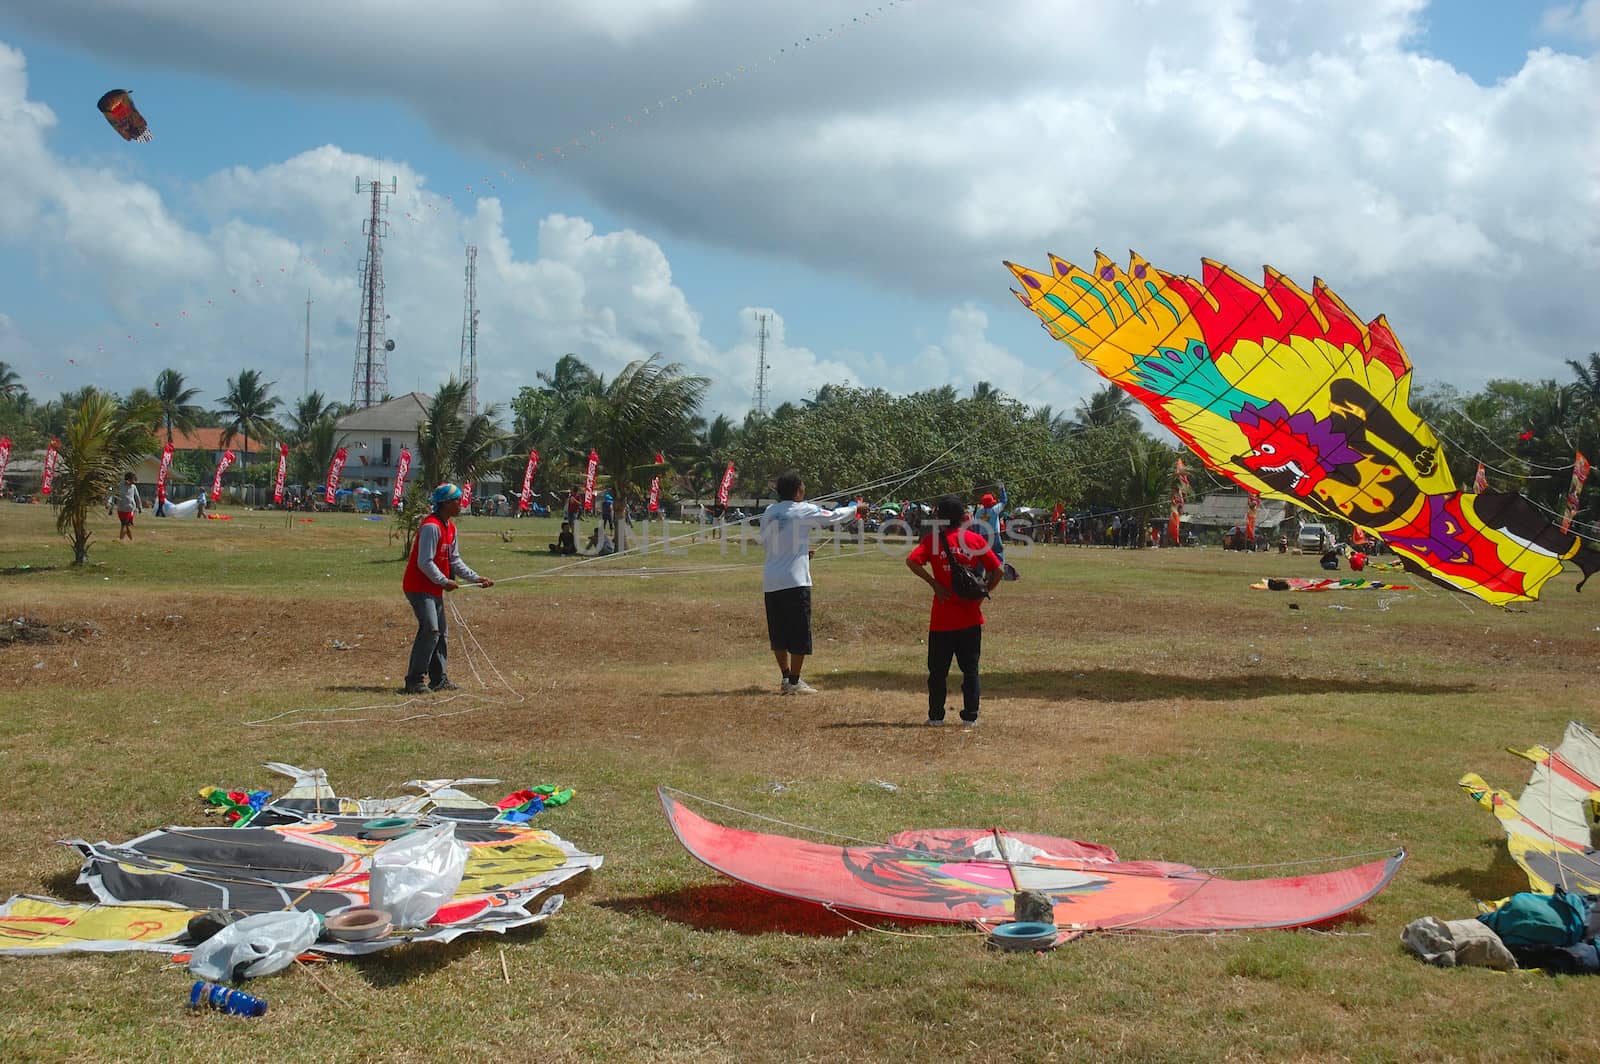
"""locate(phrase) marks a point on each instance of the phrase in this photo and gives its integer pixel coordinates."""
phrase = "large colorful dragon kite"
(1286, 393)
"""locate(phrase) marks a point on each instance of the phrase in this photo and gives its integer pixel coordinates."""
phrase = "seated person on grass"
(565, 543)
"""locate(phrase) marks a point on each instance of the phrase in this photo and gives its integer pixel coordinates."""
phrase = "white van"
(1314, 539)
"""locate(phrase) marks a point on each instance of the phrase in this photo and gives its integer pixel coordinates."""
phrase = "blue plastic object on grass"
(1024, 935)
(225, 999)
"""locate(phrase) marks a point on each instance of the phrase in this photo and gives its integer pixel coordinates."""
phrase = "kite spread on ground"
(1288, 394)
(1548, 827)
(117, 106)
(966, 875)
(311, 851)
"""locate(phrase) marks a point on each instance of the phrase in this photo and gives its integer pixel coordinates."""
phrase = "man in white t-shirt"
(786, 574)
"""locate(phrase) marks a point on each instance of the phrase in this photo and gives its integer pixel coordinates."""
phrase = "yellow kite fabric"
(1287, 393)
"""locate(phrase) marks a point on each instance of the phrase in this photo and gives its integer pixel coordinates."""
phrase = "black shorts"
(789, 619)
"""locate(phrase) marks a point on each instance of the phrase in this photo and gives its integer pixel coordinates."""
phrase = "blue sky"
(863, 188)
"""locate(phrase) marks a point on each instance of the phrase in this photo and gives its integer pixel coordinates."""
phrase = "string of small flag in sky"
(583, 140)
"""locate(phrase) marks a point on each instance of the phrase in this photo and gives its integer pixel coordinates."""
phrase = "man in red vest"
(434, 567)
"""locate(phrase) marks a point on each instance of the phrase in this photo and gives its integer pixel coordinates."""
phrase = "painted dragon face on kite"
(1291, 452)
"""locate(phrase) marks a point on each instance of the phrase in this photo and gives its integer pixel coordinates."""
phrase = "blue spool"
(1024, 935)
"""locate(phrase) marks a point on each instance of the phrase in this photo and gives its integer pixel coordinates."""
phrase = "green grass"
(1145, 700)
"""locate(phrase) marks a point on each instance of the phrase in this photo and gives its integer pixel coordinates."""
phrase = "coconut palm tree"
(103, 439)
(308, 411)
(247, 408)
(10, 383)
(640, 411)
(1108, 407)
(451, 446)
(178, 414)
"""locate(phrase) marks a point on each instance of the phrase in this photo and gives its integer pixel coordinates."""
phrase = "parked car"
(1314, 539)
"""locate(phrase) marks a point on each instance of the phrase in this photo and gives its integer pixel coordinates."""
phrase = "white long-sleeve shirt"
(428, 545)
(786, 537)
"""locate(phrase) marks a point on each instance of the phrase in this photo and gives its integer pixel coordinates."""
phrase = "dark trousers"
(428, 650)
(965, 645)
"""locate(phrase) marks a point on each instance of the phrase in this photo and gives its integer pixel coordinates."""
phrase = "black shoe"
(443, 685)
(415, 689)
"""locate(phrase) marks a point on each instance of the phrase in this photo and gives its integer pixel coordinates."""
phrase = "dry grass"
(1144, 700)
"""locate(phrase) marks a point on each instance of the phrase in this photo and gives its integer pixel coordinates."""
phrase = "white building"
(375, 435)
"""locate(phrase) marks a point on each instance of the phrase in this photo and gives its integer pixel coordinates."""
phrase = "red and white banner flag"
(330, 490)
(1179, 492)
(466, 497)
(216, 481)
(1580, 473)
(52, 458)
(527, 482)
(1253, 504)
(5, 456)
(1480, 483)
(654, 504)
(283, 471)
(400, 471)
(726, 486)
(161, 474)
(588, 481)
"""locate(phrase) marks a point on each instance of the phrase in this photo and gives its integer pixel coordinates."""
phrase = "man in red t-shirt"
(955, 627)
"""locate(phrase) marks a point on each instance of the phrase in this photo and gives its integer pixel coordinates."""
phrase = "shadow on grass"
(882, 724)
(1129, 685)
(736, 907)
(65, 885)
(24, 570)
(402, 964)
(365, 689)
(1500, 878)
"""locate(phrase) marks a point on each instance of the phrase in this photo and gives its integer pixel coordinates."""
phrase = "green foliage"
(247, 408)
(102, 440)
(450, 445)
(173, 396)
(639, 412)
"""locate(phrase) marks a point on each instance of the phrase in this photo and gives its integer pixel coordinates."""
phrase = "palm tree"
(1106, 408)
(1588, 386)
(713, 445)
(10, 383)
(247, 408)
(983, 391)
(315, 447)
(308, 411)
(451, 447)
(642, 410)
(102, 440)
(177, 413)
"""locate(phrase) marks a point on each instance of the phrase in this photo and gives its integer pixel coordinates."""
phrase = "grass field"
(1146, 700)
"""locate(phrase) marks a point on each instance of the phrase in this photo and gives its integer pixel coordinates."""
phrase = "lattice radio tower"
(759, 400)
(370, 380)
(469, 333)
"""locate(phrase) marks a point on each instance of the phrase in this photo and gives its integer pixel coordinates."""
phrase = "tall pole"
(469, 333)
(307, 390)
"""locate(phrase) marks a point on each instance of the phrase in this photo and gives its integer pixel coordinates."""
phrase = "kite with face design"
(1290, 395)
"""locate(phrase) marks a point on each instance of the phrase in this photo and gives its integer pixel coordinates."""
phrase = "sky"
(647, 176)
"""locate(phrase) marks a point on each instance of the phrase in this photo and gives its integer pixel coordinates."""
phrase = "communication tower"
(469, 333)
(371, 377)
(759, 400)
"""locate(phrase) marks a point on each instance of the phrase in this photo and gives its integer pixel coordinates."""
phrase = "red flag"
(216, 481)
(725, 486)
(161, 474)
(5, 456)
(1175, 518)
(588, 481)
(1580, 473)
(1480, 483)
(330, 490)
(655, 487)
(1252, 504)
(466, 497)
(51, 458)
(283, 470)
(400, 471)
(527, 482)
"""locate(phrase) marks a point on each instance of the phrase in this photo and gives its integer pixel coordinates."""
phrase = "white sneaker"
(800, 687)
(783, 688)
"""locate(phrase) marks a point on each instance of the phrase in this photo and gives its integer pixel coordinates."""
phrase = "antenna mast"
(469, 333)
(759, 400)
(371, 377)
(308, 344)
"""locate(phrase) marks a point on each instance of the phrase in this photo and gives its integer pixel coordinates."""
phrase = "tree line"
(1100, 457)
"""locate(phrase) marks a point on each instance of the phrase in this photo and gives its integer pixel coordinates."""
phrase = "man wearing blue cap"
(434, 567)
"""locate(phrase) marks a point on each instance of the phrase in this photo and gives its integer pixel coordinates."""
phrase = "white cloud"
(913, 150)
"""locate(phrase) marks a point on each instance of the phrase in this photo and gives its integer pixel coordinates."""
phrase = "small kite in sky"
(117, 106)
(1290, 395)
